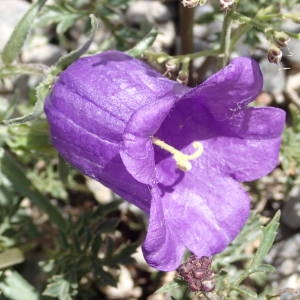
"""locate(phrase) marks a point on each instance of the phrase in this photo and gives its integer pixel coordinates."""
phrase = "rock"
(40, 51)
(14, 11)
(287, 267)
(151, 11)
(285, 257)
(166, 36)
(291, 209)
(274, 77)
(294, 53)
(125, 288)
(102, 194)
(157, 14)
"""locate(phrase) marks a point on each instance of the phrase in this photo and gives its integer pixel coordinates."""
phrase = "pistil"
(183, 161)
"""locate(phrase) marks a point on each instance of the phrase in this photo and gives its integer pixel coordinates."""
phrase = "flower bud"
(281, 39)
(225, 5)
(192, 3)
(182, 77)
(171, 65)
(198, 274)
(274, 55)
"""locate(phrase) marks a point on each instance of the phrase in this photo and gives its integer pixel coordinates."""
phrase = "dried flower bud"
(274, 55)
(281, 39)
(198, 274)
(171, 65)
(182, 77)
(225, 5)
(192, 3)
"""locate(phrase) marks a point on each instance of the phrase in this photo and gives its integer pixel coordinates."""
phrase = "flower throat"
(183, 161)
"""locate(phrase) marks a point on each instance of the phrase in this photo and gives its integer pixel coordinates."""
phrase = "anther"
(182, 160)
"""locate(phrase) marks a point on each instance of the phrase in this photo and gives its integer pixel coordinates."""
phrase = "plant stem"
(238, 33)
(162, 57)
(186, 29)
(225, 39)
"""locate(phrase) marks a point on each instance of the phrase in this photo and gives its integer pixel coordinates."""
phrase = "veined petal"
(243, 159)
(204, 215)
(137, 151)
(249, 146)
(207, 211)
(230, 89)
(255, 123)
(162, 249)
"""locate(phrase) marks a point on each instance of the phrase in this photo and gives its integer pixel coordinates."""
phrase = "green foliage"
(86, 252)
(290, 154)
(15, 287)
(14, 45)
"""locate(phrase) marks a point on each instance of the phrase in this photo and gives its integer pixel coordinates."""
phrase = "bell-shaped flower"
(176, 152)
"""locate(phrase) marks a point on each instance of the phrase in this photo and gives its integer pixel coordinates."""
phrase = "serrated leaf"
(269, 235)
(14, 45)
(246, 292)
(59, 289)
(122, 255)
(42, 91)
(144, 44)
(105, 277)
(15, 287)
(44, 87)
(22, 185)
(108, 225)
(263, 268)
(171, 285)
(96, 245)
(107, 208)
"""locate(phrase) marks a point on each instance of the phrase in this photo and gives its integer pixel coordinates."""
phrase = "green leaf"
(63, 169)
(122, 255)
(14, 173)
(60, 288)
(66, 60)
(42, 91)
(44, 87)
(263, 268)
(11, 257)
(246, 292)
(16, 70)
(171, 285)
(15, 287)
(144, 44)
(108, 225)
(14, 45)
(96, 245)
(269, 235)
(66, 23)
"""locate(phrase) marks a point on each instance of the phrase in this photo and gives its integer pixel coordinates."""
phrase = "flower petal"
(251, 147)
(137, 153)
(230, 89)
(255, 123)
(162, 249)
(207, 211)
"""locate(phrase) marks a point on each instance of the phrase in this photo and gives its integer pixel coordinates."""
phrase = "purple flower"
(110, 115)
